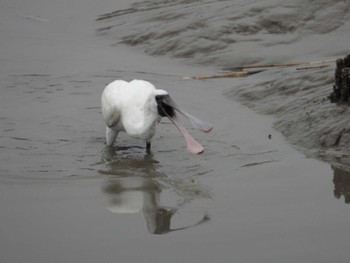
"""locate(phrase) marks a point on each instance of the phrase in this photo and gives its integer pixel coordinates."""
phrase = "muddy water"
(64, 197)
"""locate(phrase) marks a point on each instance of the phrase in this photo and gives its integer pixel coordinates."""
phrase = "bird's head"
(166, 108)
(165, 105)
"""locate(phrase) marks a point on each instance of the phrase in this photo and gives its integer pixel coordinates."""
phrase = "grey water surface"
(65, 197)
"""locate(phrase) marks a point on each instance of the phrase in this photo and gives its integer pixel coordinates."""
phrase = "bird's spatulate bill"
(192, 145)
(197, 123)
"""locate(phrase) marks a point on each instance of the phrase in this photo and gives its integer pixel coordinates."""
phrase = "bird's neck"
(141, 123)
(150, 118)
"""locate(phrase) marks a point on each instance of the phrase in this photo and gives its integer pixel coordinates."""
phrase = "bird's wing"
(111, 118)
(111, 104)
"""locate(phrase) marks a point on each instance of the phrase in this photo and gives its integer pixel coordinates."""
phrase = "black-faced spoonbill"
(136, 107)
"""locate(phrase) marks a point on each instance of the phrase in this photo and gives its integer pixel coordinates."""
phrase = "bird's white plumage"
(130, 107)
(137, 106)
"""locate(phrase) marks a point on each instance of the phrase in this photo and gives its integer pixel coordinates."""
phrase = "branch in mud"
(232, 74)
(300, 65)
(242, 71)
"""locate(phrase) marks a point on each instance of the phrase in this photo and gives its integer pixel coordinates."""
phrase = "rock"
(341, 87)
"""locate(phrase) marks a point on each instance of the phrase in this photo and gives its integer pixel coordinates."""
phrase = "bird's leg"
(111, 135)
(148, 146)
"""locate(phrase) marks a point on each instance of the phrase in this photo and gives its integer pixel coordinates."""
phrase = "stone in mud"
(341, 87)
(346, 84)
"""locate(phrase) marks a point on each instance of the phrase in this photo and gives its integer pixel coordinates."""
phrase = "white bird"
(136, 107)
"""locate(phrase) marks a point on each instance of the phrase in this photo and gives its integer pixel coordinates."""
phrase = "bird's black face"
(164, 109)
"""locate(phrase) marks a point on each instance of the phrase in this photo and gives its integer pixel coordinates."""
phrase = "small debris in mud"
(231, 74)
(341, 87)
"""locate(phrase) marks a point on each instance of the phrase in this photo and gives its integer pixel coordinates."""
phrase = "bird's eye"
(159, 97)
(163, 108)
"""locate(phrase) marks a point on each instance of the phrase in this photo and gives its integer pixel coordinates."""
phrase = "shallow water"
(65, 197)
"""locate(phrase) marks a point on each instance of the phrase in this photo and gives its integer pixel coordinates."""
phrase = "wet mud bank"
(299, 101)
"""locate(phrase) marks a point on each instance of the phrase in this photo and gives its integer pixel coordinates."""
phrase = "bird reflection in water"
(134, 186)
(341, 180)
